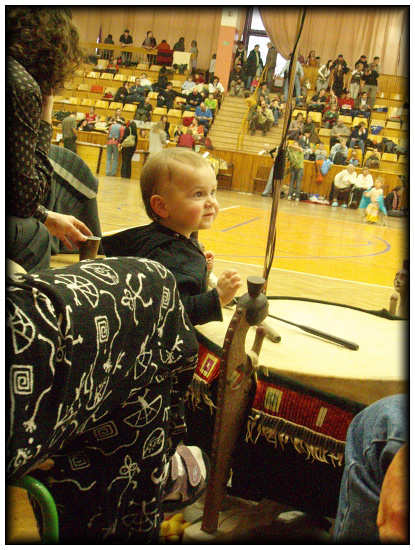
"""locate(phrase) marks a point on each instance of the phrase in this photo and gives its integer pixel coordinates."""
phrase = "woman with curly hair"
(42, 52)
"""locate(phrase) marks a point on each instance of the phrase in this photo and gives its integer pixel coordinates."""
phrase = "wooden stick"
(315, 332)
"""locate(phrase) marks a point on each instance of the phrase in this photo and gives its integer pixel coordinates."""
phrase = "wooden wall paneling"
(91, 153)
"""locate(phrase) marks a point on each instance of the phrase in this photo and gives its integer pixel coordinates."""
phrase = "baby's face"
(191, 200)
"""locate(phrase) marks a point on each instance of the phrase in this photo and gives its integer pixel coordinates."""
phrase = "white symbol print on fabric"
(80, 287)
(154, 443)
(102, 272)
(22, 379)
(146, 521)
(147, 412)
(79, 461)
(23, 329)
(105, 431)
(101, 323)
(165, 297)
(160, 268)
(131, 296)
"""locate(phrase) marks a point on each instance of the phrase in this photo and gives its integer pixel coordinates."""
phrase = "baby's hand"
(210, 258)
(228, 284)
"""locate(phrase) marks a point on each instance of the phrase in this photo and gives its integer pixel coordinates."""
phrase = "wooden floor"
(321, 252)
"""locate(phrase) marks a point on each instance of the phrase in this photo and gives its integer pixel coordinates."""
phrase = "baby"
(372, 209)
(178, 188)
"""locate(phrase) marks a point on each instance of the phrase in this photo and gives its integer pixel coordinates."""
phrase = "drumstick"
(329, 337)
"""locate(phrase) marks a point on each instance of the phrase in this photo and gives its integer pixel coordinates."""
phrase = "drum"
(376, 370)
(291, 446)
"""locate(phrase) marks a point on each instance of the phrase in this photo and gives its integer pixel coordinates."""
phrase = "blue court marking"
(383, 251)
(242, 223)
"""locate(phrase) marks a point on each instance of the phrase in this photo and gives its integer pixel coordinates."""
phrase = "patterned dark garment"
(100, 357)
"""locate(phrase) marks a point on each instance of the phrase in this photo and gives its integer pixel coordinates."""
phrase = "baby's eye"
(213, 192)
(198, 194)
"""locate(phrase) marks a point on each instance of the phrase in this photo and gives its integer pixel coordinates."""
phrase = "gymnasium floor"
(319, 248)
(321, 253)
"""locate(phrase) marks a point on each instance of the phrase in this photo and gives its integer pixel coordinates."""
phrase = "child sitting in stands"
(178, 188)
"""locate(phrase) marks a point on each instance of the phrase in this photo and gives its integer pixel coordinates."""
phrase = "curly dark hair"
(45, 41)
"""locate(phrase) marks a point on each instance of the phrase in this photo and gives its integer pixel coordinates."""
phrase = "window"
(256, 34)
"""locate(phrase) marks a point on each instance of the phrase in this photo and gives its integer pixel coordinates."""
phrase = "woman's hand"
(67, 228)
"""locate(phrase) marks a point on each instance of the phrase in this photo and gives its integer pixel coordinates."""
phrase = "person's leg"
(269, 184)
(292, 180)
(248, 81)
(373, 438)
(114, 160)
(109, 161)
(28, 243)
(297, 87)
(299, 179)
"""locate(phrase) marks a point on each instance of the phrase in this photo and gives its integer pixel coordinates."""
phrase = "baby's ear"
(158, 206)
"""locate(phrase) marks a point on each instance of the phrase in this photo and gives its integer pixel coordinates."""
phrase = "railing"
(243, 130)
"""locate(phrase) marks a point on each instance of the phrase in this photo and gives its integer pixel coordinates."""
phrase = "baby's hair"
(161, 168)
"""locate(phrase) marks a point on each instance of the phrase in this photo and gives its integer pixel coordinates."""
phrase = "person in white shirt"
(364, 180)
(343, 183)
(145, 82)
(216, 87)
(188, 85)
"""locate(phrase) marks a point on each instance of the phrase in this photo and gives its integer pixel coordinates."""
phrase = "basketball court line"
(306, 274)
(229, 208)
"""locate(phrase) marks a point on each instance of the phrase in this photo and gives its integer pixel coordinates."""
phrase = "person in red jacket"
(346, 103)
(187, 140)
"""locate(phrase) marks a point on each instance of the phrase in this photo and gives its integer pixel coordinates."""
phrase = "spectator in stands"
(91, 116)
(363, 60)
(330, 115)
(122, 93)
(211, 103)
(150, 43)
(135, 93)
(195, 52)
(83, 126)
(336, 82)
(166, 97)
(319, 101)
(162, 80)
(275, 107)
(264, 119)
(198, 78)
(115, 134)
(364, 180)
(193, 100)
(253, 64)
(338, 153)
(309, 124)
(69, 133)
(299, 75)
(355, 81)
(323, 76)
(108, 54)
(296, 160)
(204, 116)
(362, 107)
(216, 87)
(320, 151)
(339, 130)
(127, 152)
(179, 46)
(240, 56)
(198, 130)
(187, 139)
(164, 55)
(264, 92)
(296, 126)
(343, 183)
(126, 40)
(370, 84)
(271, 61)
(358, 136)
(118, 116)
(212, 67)
(188, 85)
(144, 110)
(157, 138)
(306, 145)
(341, 61)
(346, 104)
(376, 64)
(311, 60)
(145, 82)
(354, 159)
(166, 126)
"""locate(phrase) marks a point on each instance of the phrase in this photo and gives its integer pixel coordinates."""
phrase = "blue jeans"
(360, 142)
(297, 178)
(373, 438)
(297, 88)
(112, 159)
(269, 184)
